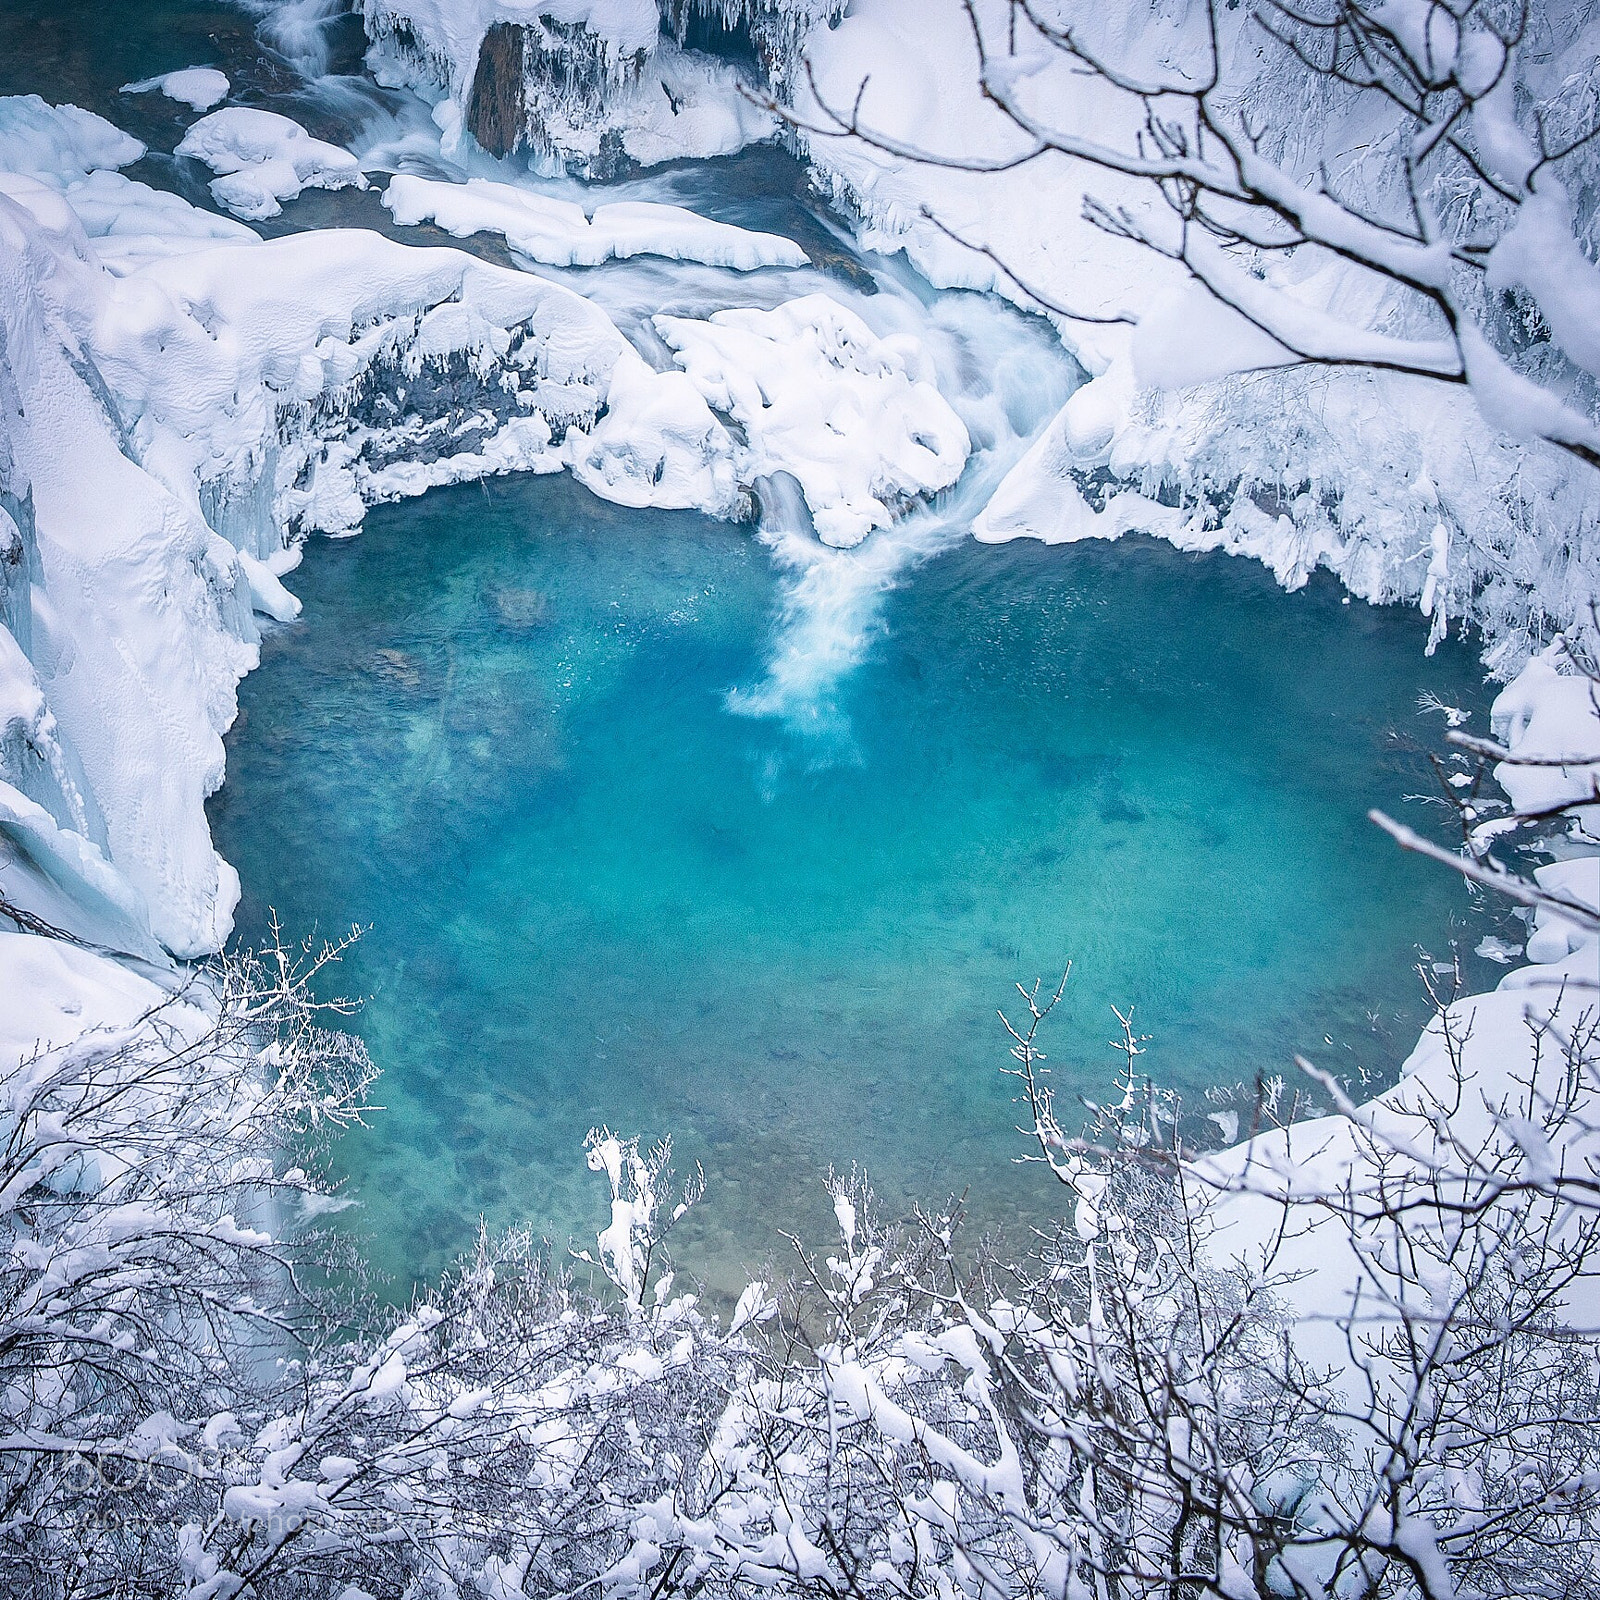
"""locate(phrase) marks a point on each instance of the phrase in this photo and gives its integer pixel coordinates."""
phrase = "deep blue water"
(512, 733)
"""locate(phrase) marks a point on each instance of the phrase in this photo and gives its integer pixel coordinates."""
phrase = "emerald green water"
(513, 733)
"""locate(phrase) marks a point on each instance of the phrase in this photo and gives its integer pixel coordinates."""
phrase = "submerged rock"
(521, 610)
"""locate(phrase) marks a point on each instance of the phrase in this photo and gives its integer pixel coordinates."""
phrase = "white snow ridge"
(264, 159)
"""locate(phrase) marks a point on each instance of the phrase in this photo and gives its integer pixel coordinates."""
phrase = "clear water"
(660, 822)
(509, 735)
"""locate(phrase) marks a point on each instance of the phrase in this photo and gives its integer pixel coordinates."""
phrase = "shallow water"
(509, 734)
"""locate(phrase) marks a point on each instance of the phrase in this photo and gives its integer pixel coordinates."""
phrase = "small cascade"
(784, 514)
(300, 32)
(1006, 377)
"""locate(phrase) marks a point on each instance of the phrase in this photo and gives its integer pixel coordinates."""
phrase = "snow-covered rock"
(559, 233)
(198, 87)
(264, 159)
(1548, 714)
(855, 418)
(60, 144)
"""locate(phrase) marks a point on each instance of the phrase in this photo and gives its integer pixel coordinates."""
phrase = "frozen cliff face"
(591, 85)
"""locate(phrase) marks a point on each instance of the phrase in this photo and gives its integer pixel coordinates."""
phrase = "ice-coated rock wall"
(590, 85)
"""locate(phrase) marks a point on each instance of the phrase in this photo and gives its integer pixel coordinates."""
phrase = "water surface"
(512, 733)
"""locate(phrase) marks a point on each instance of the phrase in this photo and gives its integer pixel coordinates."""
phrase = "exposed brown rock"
(497, 112)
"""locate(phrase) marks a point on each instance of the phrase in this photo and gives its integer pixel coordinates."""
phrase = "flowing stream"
(699, 828)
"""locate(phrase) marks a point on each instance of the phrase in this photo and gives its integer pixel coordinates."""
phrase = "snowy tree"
(1459, 228)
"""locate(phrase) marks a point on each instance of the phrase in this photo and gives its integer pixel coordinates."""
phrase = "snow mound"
(1548, 714)
(855, 418)
(60, 144)
(558, 233)
(658, 444)
(71, 992)
(264, 159)
(199, 87)
(131, 223)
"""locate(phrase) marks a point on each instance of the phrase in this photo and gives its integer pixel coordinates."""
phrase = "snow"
(198, 87)
(1556, 937)
(264, 159)
(1549, 713)
(62, 143)
(1364, 465)
(559, 233)
(69, 991)
(855, 418)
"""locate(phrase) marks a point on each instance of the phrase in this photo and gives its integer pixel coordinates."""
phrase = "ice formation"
(558, 233)
(855, 418)
(264, 159)
(586, 84)
(197, 87)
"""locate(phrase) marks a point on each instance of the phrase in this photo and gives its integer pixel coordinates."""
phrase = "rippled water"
(508, 735)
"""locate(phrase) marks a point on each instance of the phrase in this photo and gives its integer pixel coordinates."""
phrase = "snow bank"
(855, 418)
(558, 233)
(60, 144)
(70, 992)
(265, 159)
(199, 87)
